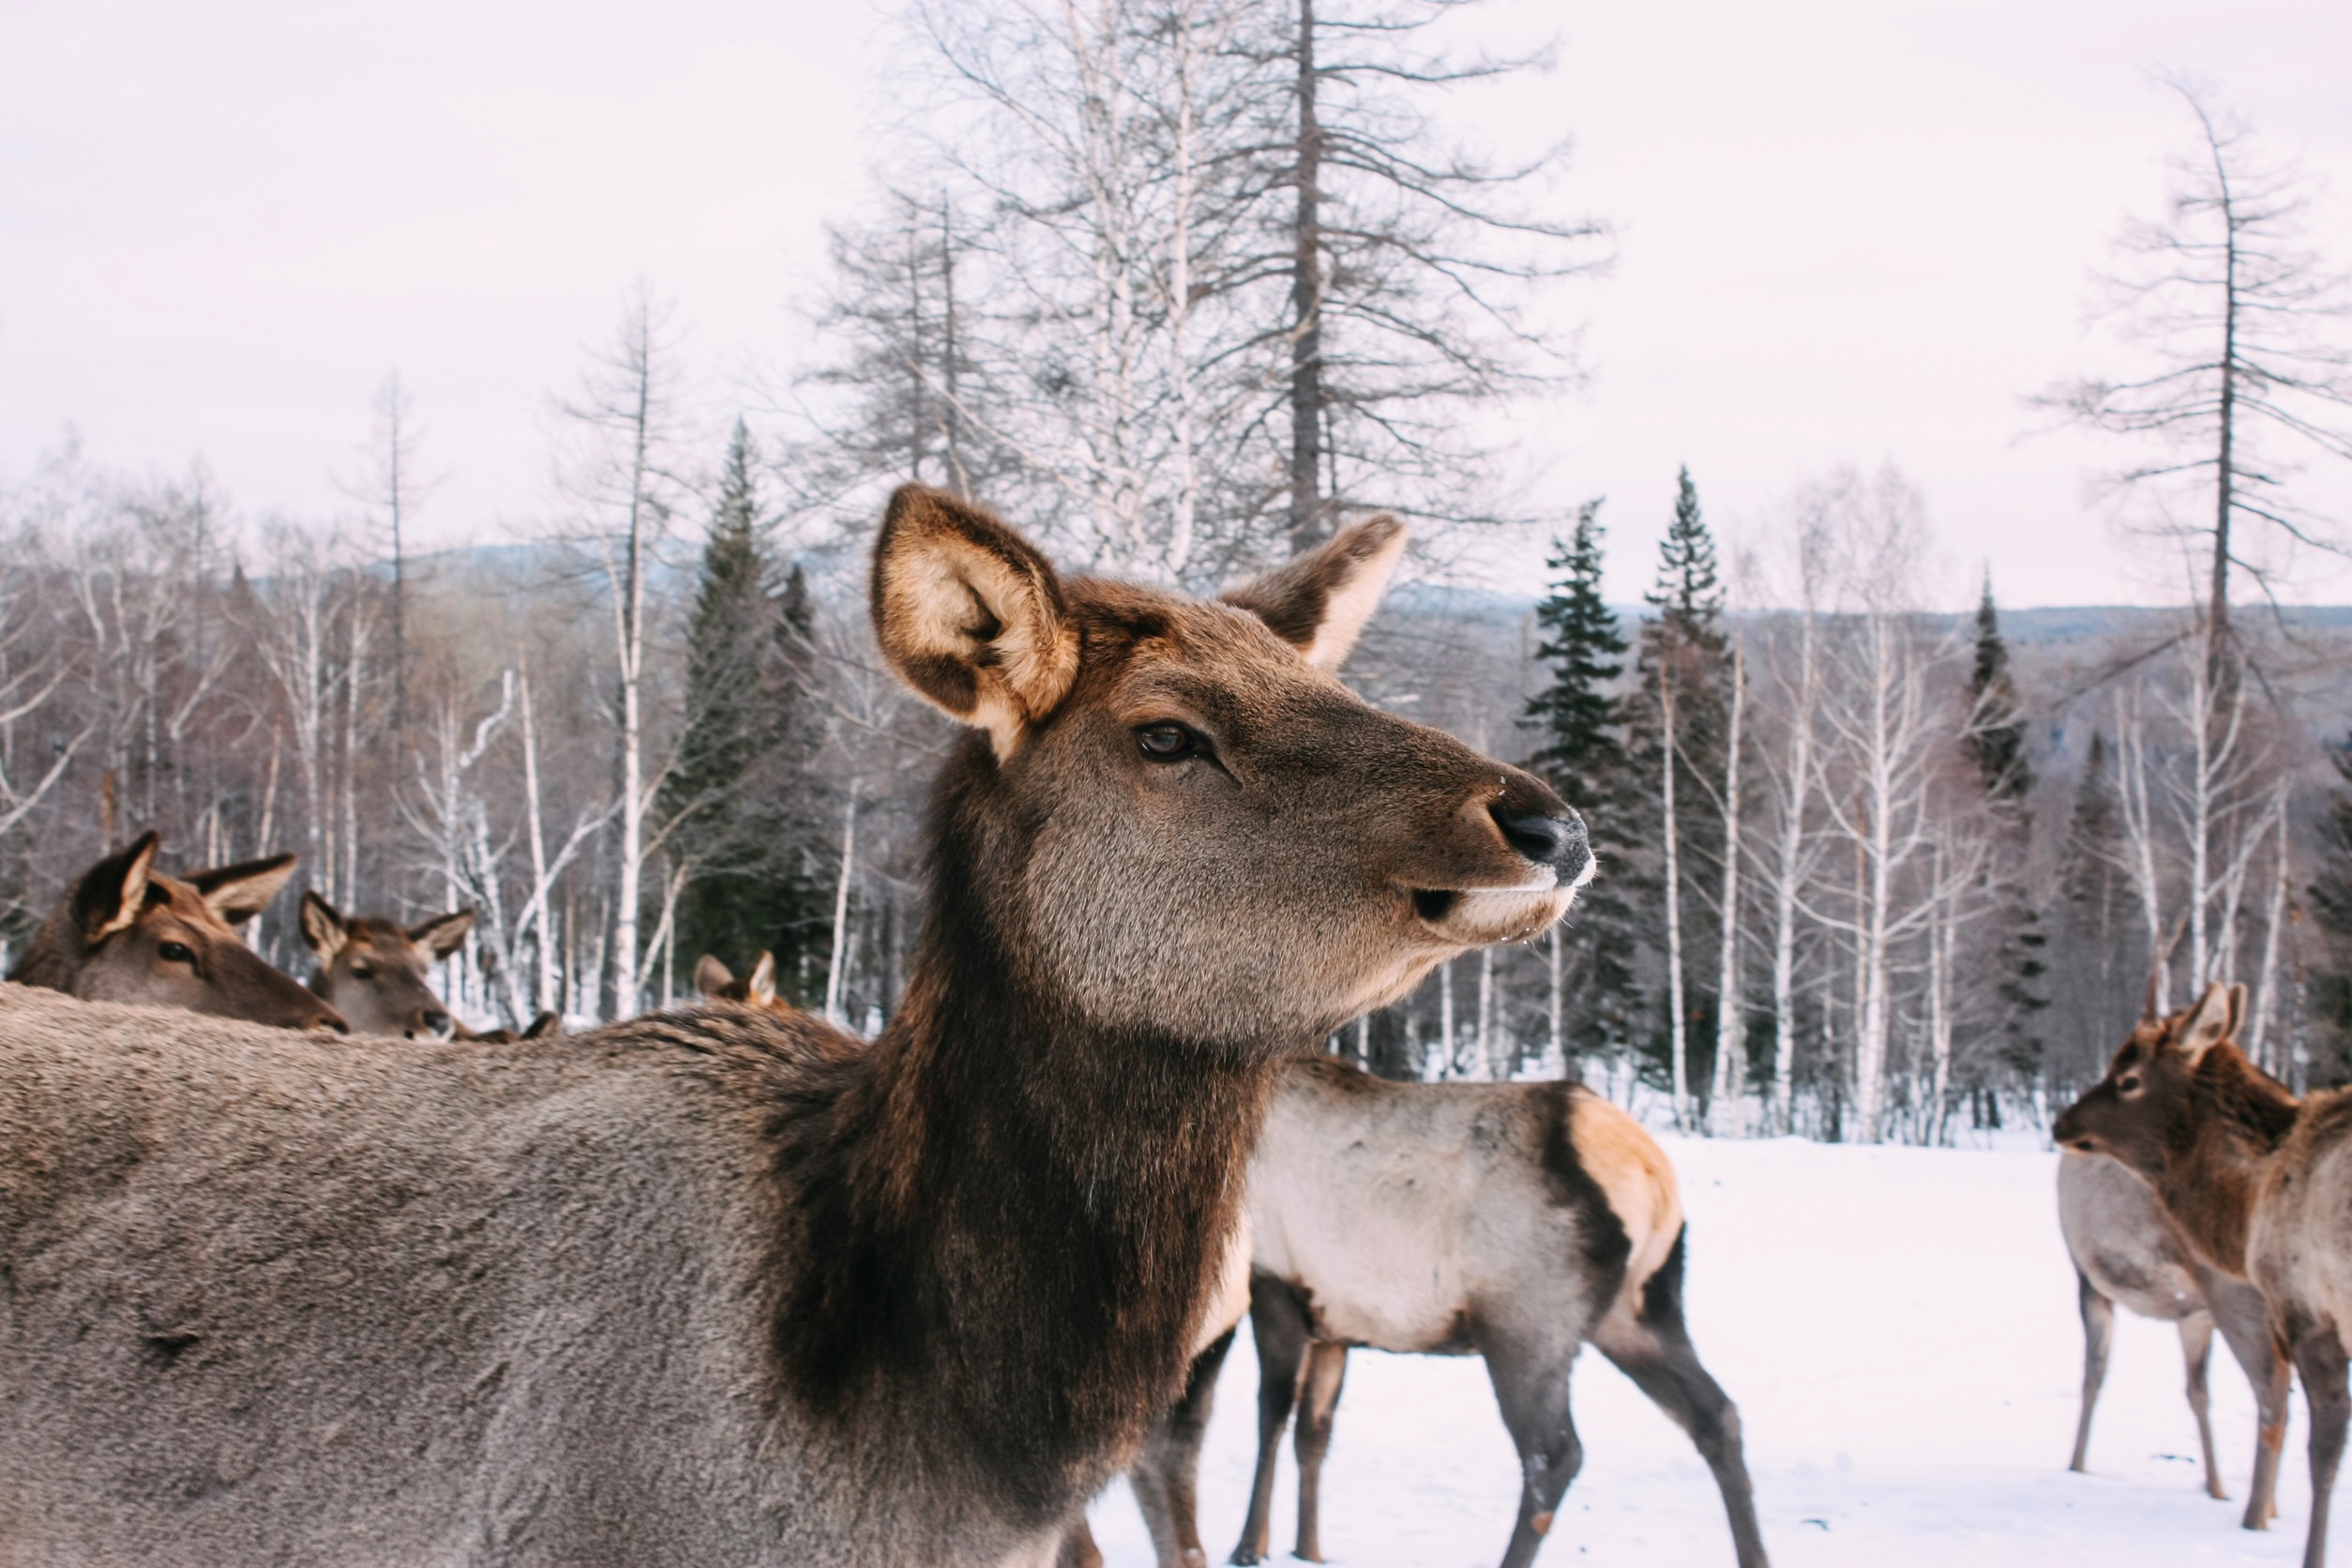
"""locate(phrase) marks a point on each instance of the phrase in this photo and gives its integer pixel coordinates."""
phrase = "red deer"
(695, 1288)
(718, 983)
(373, 972)
(128, 933)
(1518, 1222)
(2125, 1250)
(2257, 1181)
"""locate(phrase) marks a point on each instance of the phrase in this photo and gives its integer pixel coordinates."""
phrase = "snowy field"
(1898, 1328)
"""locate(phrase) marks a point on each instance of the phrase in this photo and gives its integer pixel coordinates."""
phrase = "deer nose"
(1556, 841)
(434, 1021)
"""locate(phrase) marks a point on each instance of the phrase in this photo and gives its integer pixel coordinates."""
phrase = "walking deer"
(2258, 1182)
(128, 933)
(1516, 1222)
(2126, 1250)
(696, 1288)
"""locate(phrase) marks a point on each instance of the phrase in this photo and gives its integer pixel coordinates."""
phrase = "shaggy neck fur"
(1013, 1218)
(2232, 1119)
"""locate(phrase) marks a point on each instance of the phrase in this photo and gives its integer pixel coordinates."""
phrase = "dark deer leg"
(2320, 1357)
(1278, 1326)
(1656, 1353)
(1531, 1388)
(1166, 1478)
(2196, 1354)
(2098, 1334)
(2239, 1312)
(1326, 1368)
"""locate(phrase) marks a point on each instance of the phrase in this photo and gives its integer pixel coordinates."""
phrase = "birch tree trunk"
(1790, 873)
(2274, 932)
(1678, 1024)
(838, 963)
(1726, 1100)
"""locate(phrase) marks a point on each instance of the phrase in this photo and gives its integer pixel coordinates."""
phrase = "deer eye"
(362, 972)
(1167, 743)
(2128, 1083)
(175, 952)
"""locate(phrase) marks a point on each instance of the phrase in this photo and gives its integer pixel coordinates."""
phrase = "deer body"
(2127, 1252)
(2258, 1182)
(1516, 1222)
(704, 1287)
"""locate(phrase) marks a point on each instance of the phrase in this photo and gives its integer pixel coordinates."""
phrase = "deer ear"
(762, 985)
(971, 615)
(236, 894)
(1320, 602)
(2213, 1019)
(323, 926)
(115, 890)
(443, 934)
(712, 978)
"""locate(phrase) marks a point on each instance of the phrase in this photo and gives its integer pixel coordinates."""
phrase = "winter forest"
(1177, 286)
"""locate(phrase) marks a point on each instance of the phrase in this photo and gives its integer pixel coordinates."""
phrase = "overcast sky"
(1849, 231)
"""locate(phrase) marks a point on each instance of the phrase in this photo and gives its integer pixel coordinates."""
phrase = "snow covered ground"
(1898, 1328)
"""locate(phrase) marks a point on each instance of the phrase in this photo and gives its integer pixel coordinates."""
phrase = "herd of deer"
(320, 1277)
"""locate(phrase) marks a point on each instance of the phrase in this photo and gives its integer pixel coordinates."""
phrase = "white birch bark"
(1727, 1099)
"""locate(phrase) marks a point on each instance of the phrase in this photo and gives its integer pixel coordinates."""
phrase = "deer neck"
(1019, 1222)
(2214, 1153)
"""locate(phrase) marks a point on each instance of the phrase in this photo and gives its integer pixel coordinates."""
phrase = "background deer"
(695, 1287)
(128, 933)
(2126, 1250)
(718, 983)
(373, 972)
(1516, 1222)
(2258, 1182)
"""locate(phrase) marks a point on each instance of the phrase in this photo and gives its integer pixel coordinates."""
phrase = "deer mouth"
(1475, 916)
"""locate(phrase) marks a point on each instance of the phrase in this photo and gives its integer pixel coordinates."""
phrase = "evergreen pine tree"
(2094, 1009)
(1682, 648)
(2330, 966)
(1996, 743)
(1577, 718)
(705, 798)
(791, 819)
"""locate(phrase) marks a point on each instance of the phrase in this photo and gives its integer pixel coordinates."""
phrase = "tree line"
(1176, 284)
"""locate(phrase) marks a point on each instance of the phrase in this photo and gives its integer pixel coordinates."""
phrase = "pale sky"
(1849, 231)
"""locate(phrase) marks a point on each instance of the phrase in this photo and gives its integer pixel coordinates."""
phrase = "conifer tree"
(2095, 1007)
(1581, 755)
(703, 799)
(1675, 715)
(790, 816)
(1995, 742)
(2330, 892)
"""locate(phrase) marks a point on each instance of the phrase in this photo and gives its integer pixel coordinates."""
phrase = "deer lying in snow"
(2258, 1182)
(2125, 1250)
(1518, 1222)
(128, 933)
(694, 1289)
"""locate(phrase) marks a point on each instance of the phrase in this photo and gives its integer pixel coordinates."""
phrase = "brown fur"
(375, 973)
(2258, 1184)
(128, 933)
(700, 1287)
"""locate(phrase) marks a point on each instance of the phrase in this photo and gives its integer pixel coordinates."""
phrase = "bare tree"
(2230, 302)
(626, 412)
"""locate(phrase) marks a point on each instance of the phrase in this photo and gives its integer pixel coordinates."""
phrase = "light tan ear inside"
(712, 978)
(762, 983)
(971, 616)
(443, 934)
(1371, 550)
(2213, 1020)
(134, 895)
(1320, 602)
(323, 927)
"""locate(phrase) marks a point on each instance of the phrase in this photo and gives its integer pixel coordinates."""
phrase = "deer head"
(374, 973)
(1177, 819)
(718, 983)
(129, 933)
(2141, 1109)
